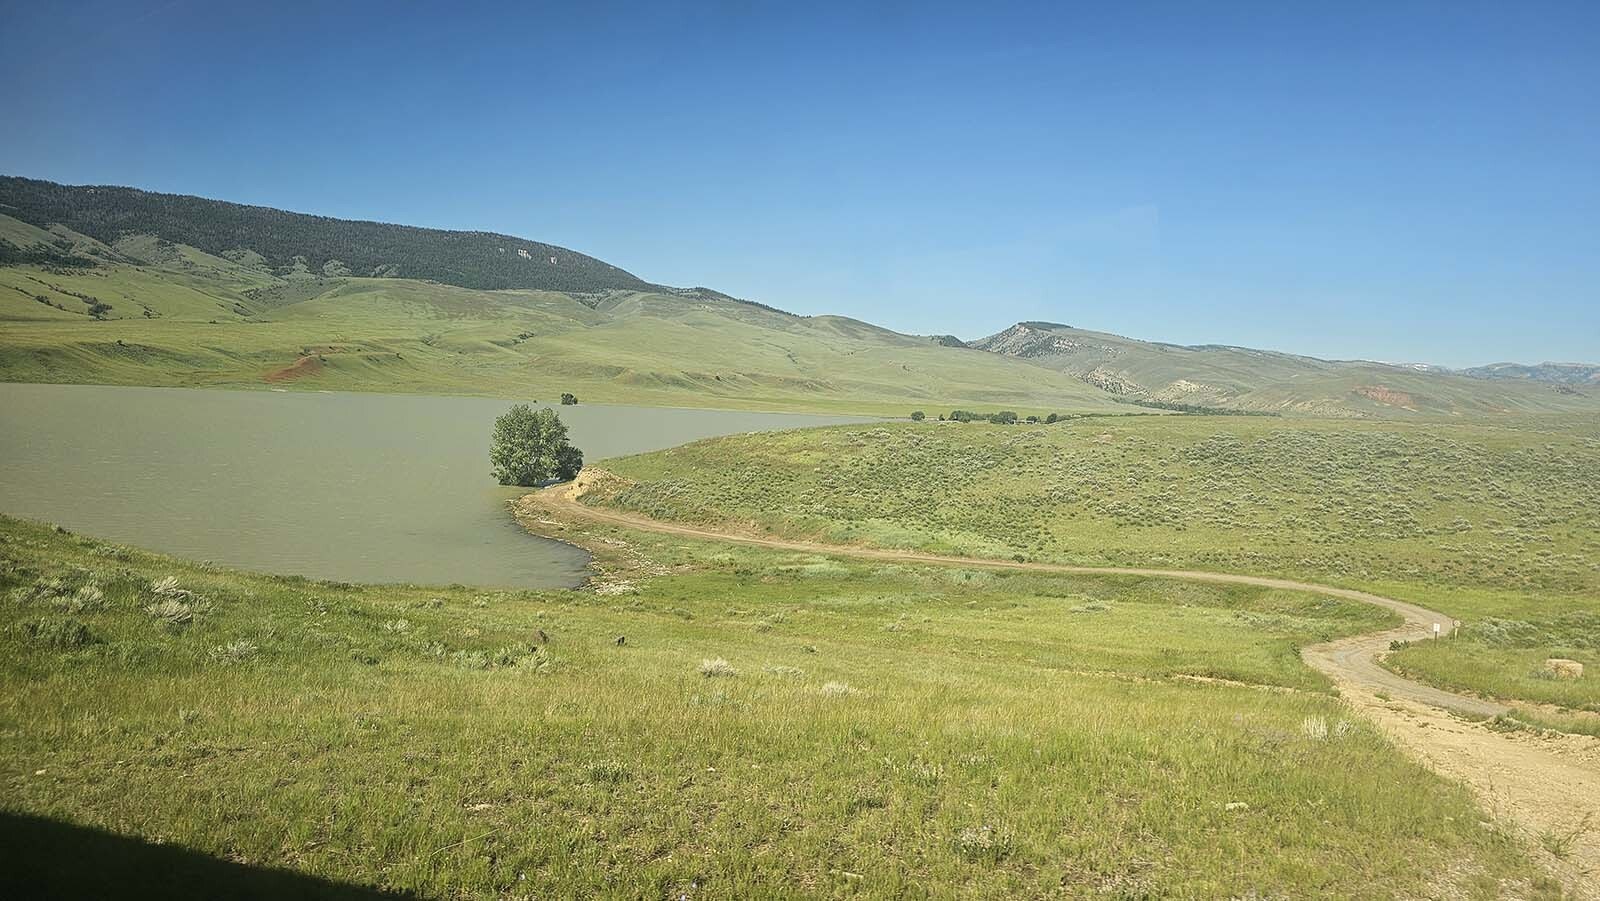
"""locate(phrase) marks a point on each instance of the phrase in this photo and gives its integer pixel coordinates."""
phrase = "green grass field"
(146, 311)
(1495, 524)
(876, 730)
(780, 724)
(191, 320)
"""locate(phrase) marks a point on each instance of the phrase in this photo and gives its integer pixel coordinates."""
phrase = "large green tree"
(529, 447)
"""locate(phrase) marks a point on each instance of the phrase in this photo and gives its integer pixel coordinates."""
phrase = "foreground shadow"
(43, 858)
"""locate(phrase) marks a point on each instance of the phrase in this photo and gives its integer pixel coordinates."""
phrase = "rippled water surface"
(356, 487)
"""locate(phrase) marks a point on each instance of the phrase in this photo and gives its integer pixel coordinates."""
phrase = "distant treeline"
(482, 260)
(1004, 417)
(1193, 408)
(1008, 417)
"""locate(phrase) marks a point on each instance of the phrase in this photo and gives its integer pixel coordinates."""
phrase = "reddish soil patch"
(298, 369)
(1387, 396)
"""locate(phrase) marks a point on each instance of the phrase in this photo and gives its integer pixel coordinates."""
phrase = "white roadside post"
(1435, 631)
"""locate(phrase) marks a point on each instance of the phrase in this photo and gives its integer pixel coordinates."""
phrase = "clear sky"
(1385, 180)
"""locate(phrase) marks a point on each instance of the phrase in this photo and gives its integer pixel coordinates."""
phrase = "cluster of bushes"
(1004, 417)
(1201, 409)
(97, 307)
(1008, 417)
(61, 255)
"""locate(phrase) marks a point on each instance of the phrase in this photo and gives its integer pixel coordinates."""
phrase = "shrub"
(716, 666)
(1317, 728)
(57, 632)
(509, 657)
(569, 400)
(918, 416)
(174, 612)
(986, 843)
(233, 652)
(89, 597)
(168, 588)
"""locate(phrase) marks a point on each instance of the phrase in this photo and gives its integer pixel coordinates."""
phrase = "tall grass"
(997, 743)
(1493, 525)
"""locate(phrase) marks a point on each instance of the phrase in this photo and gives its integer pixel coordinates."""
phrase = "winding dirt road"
(1539, 785)
(1353, 659)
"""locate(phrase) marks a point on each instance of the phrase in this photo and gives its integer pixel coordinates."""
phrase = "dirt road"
(1541, 786)
(1352, 658)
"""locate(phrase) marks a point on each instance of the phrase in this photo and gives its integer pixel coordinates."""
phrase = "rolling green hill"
(1243, 378)
(145, 310)
(1489, 522)
(121, 286)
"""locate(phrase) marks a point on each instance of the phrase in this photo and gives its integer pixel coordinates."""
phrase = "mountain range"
(116, 285)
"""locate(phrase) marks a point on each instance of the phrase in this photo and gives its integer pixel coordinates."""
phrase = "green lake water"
(352, 487)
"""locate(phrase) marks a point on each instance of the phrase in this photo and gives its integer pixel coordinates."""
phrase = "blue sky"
(1388, 180)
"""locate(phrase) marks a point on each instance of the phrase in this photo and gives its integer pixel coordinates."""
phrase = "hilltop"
(1243, 378)
(1554, 373)
(286, 243)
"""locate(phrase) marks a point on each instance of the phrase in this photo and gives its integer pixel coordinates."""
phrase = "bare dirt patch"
(1388, 396)
(308, 365)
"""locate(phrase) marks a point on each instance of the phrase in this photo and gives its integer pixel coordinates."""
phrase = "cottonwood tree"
(528, 447)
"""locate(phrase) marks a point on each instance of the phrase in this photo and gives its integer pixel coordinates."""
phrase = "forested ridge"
(482, 260)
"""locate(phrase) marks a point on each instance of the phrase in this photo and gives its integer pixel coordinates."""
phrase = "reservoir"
(345, 486)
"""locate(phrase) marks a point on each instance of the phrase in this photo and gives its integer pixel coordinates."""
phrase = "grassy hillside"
(1246, 379)
(173, 315)
(116, 285)
(1493, 524)
(1578, 375)
(870, 730)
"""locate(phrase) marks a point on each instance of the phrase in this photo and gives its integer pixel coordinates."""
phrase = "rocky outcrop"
(1112, 382)
(1038, 339)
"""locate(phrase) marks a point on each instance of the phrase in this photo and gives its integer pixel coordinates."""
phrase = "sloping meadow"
(1497, 525)
(720, 721)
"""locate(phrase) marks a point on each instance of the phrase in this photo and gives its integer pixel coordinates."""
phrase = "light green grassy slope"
(1247, 379)
(882, 729)
(176, 316)
(145, 310)
(1496, 525)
